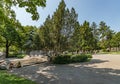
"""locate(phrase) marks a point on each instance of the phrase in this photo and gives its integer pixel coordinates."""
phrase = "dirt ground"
(103, 69)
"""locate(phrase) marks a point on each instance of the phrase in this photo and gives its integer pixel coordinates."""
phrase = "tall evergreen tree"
(95, 32)
(86, 37)
(76, 38)
(115, 41)
(105, 35)
(48, 33)
(70, 21)
(58, 23)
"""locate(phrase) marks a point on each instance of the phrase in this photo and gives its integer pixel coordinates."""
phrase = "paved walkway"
(103, 69)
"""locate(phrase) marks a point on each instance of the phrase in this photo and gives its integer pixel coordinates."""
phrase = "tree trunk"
(119, 47)
(7, 49)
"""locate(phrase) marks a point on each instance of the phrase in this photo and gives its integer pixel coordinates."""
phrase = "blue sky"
(90, 10)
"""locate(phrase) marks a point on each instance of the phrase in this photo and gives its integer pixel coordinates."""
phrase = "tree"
(58, 22)
(8, 28)
(115, 41)
(95, 32)
(10, 35)
(47, 34)
(105, 35)
(28, 38)
(86, 37)
(29, 5)
(70, 21)
(76, 38)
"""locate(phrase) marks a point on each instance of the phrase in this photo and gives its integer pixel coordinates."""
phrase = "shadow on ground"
(78, 73)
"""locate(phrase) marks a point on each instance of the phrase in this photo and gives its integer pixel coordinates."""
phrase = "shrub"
(89, 56)
(68, 58)
(61, 59)
(104, 50)
(79, 58)
(20, 55)
(17, 55)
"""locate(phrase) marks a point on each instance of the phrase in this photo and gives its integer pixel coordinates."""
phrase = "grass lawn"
(6, 78)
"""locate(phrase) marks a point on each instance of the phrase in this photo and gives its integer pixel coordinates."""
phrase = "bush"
(81, 58)
(88, 55)
(20, 55)
(61, 59)
(16, 55)
(68, 58)
(104, 50)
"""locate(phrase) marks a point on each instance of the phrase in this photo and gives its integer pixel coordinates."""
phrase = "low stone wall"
(38, 53)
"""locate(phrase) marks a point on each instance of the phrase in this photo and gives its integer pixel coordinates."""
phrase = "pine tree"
(86, 37)
(95, 32)
(58, 23)
(105, 35)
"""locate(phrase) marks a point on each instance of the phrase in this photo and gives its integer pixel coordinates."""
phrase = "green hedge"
(61, 59)
(66, 59)
(17, 55)
(80, 58)
(20, 55)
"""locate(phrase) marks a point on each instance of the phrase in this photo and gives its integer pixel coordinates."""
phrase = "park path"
(103, 69)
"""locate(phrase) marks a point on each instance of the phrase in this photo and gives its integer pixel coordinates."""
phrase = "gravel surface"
(103, 69)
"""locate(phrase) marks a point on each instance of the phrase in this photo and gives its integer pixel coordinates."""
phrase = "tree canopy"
(60, 31)
(10, 28)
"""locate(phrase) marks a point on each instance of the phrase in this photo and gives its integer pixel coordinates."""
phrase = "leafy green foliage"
(61, 59)
(20, 55)
(29, 43)
(60, 32)
(29, 5)
(10, 31)
(81, 58)
(6, 78)
(95, 32)
(105, 35)
(116, 40)
(69, 58)
(63, 32)
(56, 32)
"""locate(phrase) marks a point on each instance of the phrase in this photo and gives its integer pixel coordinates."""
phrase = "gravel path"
(103, 69)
